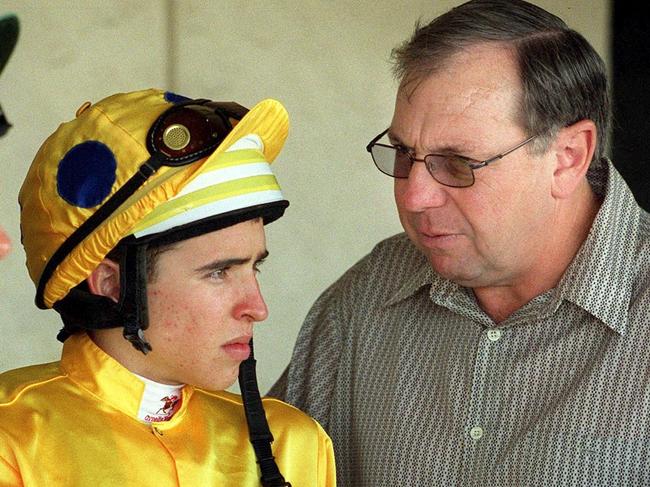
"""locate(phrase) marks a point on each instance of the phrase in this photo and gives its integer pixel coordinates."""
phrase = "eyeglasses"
(448, 169)
(183, 134)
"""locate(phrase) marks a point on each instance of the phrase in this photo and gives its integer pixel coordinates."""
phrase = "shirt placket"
(480, 432)
(160, 431)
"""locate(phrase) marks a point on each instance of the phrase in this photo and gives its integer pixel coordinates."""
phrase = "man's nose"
(252, 305)
(419, 191)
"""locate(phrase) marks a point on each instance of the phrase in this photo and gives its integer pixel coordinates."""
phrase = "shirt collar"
(94, 370)
(603, 250)
(598, 279)
(422, 276)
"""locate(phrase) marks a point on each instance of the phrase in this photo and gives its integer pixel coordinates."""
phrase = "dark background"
(631, 95)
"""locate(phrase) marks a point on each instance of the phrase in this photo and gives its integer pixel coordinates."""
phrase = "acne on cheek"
(175, 321)
(163, 300)
(180, 321)
(166, 314)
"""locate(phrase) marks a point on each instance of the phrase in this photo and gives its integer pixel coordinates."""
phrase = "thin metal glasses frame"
(471, 165)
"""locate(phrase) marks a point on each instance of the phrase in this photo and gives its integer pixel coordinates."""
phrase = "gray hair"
(563, 79)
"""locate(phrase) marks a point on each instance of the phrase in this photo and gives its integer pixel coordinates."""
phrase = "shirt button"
(476, 433)
(493, 335)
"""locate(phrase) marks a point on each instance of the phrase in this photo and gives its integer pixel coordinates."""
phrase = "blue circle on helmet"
(175, 97)
(86, 174)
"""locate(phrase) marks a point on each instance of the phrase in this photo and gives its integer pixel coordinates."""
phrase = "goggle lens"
(186, 133)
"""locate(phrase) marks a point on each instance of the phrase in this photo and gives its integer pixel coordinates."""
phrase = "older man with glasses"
(502, 340)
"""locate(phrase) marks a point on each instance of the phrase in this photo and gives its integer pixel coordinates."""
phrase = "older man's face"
(490, 233)
(5, 243)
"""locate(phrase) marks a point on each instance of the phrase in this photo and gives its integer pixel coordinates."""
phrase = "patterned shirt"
(417, 386)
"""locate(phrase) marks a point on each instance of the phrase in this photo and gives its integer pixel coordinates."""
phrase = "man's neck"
(572, 227)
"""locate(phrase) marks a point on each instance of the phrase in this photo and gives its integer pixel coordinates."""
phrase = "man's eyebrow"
(446, 150)
(395, 140)
(223, 263)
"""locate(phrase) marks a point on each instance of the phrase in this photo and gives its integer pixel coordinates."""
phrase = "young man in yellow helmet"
(142, 221)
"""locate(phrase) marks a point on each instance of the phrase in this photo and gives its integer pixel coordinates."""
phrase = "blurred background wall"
(327, 61)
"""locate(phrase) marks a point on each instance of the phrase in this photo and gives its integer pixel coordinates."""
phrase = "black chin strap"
(133, 282)
(81, 310)
(76, 308)
(258, 427)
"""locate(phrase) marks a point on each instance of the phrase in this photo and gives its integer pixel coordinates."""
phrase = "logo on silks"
(168, 404)
(169, 407)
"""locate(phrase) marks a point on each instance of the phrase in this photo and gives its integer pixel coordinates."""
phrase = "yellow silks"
(73, 423)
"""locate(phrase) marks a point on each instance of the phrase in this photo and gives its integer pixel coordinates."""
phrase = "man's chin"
(454, 269)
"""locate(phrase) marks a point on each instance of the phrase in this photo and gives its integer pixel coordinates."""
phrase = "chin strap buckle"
(136, 337)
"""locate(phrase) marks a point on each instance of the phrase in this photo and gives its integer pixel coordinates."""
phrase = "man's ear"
(105, 280)
(574, 147)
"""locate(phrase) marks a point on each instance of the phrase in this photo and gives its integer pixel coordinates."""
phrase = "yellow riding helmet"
(141, 164)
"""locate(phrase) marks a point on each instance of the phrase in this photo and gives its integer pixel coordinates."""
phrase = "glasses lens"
(450, 171)
(391, 161)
